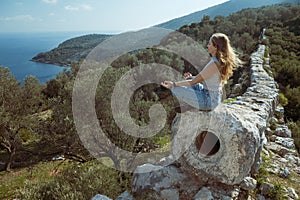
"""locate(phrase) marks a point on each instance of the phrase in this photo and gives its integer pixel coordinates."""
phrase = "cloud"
(18, 18)
(86, 7)
(79, 7)
(71, 8)
(50, 1)
(51, 14)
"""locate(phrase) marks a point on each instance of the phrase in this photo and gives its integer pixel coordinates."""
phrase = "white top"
(211, 75)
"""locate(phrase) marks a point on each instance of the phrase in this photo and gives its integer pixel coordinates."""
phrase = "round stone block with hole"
(220, 145)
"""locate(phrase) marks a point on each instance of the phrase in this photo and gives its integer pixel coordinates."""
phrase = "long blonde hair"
(226, 56)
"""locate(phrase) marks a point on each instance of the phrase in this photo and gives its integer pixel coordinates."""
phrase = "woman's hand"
(167, 84)
(187, 75)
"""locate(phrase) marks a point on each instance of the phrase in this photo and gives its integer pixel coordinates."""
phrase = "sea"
(17, 49)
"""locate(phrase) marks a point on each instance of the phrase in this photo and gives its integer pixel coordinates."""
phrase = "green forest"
(71, 50)
(37, 130)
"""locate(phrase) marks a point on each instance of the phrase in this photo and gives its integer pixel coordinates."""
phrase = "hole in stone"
(207, 143)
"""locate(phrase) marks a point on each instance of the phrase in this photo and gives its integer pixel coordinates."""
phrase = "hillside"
(223, 9)
(71, 50)
(77, 48)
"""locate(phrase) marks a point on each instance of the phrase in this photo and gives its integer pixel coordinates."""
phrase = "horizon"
(92, 16)
(104, 32)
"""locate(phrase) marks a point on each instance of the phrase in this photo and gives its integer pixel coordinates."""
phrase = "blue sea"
(17, 49)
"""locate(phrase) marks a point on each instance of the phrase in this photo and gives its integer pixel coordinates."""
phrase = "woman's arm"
(210, 69)
(189, 82)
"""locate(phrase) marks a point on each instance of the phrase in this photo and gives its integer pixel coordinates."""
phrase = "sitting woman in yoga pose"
(204, 91)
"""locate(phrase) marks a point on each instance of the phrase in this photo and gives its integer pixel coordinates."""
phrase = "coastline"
(50, 63)
(71, 50)
(18, 49)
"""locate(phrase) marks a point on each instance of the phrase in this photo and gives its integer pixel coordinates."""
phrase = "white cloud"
(50, 1)
(51, 14)
(79, 7)
(18, 18)
(71, 8)
(86, 7)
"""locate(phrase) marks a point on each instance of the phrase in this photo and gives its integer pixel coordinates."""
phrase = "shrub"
(283, 100)
(80, 181)
(295, 129)
(277, 192)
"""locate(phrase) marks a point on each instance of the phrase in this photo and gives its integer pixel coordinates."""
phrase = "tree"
(205, 20)
(227, 27)
(18, 108)
(11, 114)
(32, 96)
(59, 131)
(52, 88)
(246, 42)
(293, 107)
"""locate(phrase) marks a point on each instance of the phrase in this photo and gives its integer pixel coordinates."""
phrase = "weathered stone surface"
(285, 142)
(279, 112)
(237, 89)
(100, 197)
(248, 183)
(125, 196)
(169, 194)
(157, 179)
(285, 173)
(239, 143)
(292, 193)
(204, 193)
(279, 149)
(266, 188)
(283, 131)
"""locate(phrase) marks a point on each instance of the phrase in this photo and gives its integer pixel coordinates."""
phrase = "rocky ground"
(281, 160)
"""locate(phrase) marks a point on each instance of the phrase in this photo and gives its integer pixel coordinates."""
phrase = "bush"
(295, 128)
(80, 181)
(283, 100)
(277, 192)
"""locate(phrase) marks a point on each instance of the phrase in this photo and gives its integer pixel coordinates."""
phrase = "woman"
(204, 91)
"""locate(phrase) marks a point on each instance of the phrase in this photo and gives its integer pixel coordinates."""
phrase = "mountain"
(71, 50)
(223, 9)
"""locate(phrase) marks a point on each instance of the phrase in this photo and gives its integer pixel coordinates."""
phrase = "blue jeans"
(197, 96)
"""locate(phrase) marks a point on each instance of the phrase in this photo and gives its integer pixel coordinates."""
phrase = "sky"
(93, 15)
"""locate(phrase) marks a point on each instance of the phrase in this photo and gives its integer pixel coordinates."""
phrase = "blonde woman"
(204, 91)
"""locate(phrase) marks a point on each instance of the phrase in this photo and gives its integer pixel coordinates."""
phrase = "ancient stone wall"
(214, 153)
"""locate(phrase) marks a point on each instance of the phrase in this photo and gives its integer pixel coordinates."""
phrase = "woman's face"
(211, 48)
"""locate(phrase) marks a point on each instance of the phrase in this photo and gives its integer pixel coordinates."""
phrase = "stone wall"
(220, 165)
